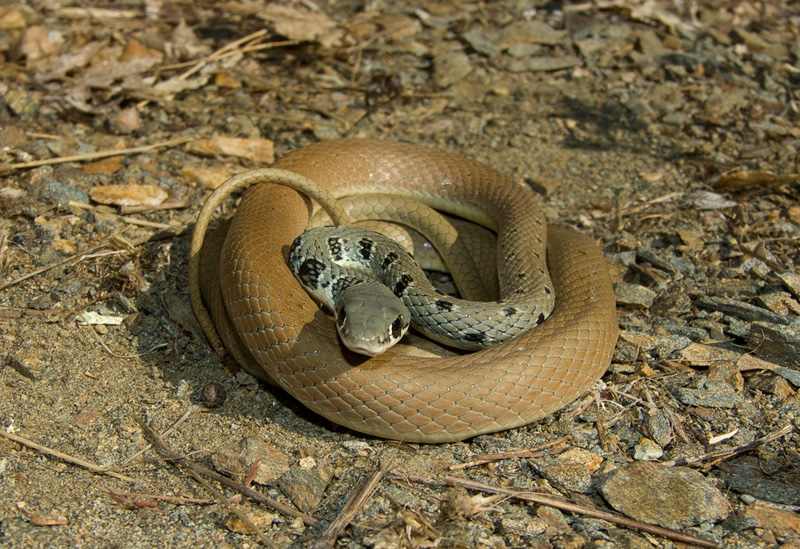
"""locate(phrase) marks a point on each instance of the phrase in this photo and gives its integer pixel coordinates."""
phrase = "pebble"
(672, 497)
(776, 343)
(739, 309)
(647, 450)
(236, 458)
(633, 295)
(305, 487)
(571, 470)
(713, 394)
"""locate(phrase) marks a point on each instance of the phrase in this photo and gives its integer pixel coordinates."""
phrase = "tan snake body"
(271, 325)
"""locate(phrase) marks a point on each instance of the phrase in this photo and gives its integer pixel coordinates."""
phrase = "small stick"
(95, 155)
(249, 492)
(65, 457)
(219, 496)
(73, 259)
(727, 453)
(360, 497)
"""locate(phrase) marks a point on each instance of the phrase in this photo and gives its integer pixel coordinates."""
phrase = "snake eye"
(397, 327)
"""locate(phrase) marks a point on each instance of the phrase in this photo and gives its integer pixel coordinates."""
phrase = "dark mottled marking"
(309, 272)
(540, 319)
(509, 311)
(511, 255)
(520, 292)
(341, 284)
(390, 258)
(401, 286)
(365, 248)
(444, 306)
(335, 247)
(521, 275)
(475, 338)
(547, 290)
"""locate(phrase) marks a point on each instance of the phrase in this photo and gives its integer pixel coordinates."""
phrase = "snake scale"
(272, 327)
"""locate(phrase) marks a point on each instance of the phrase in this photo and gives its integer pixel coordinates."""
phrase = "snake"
(375, 288)
(254, 310)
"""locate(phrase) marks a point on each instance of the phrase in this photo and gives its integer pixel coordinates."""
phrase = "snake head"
(370, 320)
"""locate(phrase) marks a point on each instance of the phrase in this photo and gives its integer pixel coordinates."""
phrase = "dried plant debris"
(668, 131)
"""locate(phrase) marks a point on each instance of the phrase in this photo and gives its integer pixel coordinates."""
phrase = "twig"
(73, 259)
(219, 496)
(95, 155)
(166, 433)
(483, 459)
(362, 494)
(65, 457)
(727, 453)
(249, 492)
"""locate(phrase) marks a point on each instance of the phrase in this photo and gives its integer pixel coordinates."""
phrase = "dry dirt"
(666, 130)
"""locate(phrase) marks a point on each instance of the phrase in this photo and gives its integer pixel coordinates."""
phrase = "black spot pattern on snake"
(365, 248)
(547, 290)
(335, 247)
(540, 319)
(475, 338)
(444, 306)
(310, 271)
(402, 284)
(390, 258)
(521, 275)
(509, 311)
(341, 284)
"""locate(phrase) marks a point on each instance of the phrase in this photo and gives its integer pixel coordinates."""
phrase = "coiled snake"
(270, 325)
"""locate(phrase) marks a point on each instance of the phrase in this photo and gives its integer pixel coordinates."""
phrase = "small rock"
(647, 450)
(781, 523)
(650, 44)
(739, 309)
(633, 295)
(672, 497)
(532, 32)
(449, 67)
(261, 519)
(238, 457)
(779, 344)
(480, 42)
(523, 525)
(59, 193)
(713, 394)
(746, 477)
(304, 487)
(659, 428)
(792, 282)
(213, 395)
(571, 470)
(544, 64)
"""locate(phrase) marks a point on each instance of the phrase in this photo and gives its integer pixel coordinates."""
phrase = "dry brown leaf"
(128, 195)
(257, 150)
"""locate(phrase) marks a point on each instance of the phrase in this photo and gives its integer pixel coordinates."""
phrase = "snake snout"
(368, 321)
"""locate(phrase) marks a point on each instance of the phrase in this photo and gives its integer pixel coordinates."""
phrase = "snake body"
(374, 287)
(272, 326)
